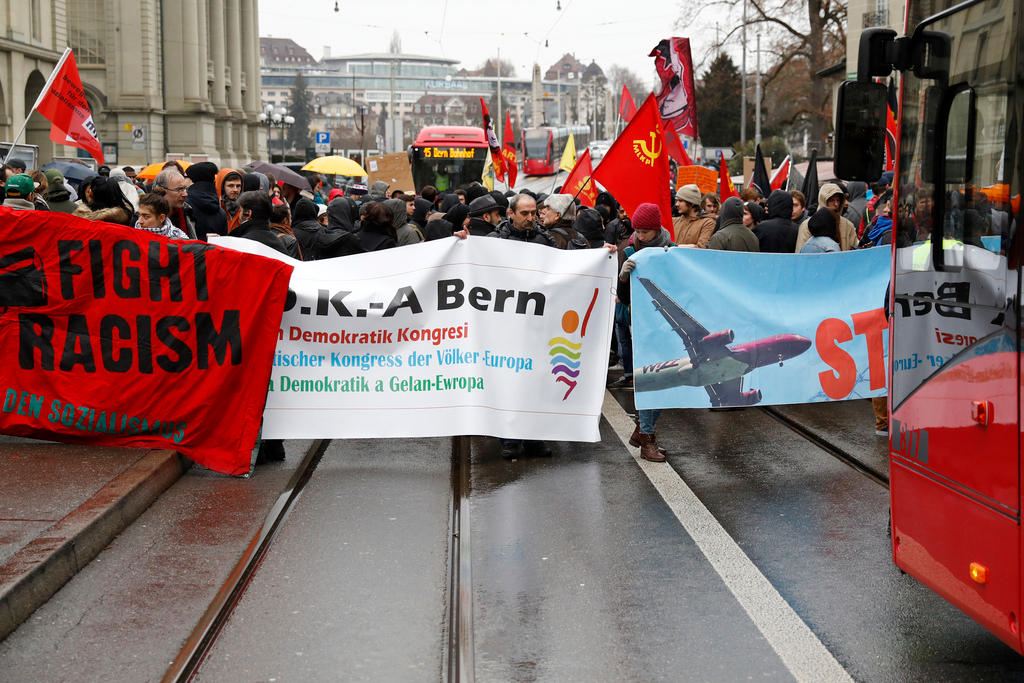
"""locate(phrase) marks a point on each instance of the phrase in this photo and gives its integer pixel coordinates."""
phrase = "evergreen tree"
(718, 103)
(302, 109)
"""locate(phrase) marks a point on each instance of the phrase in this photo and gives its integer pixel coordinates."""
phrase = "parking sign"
(323, 138)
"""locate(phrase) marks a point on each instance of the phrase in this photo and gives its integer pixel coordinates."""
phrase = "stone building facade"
(184, 73)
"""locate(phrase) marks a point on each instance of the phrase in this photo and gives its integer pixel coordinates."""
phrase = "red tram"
(543, 147)
(955, 354)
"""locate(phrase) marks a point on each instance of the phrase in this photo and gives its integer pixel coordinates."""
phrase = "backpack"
(566, 237)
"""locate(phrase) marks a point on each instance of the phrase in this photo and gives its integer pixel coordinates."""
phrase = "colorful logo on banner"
(114, 336)
(716, 328)
(566, 355)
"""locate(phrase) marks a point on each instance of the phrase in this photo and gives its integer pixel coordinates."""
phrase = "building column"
(218, 95)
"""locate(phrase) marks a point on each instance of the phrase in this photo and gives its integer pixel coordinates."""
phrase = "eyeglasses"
(183, 188)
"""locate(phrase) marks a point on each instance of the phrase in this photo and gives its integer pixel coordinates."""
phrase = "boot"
(634, 440)
(649, 448)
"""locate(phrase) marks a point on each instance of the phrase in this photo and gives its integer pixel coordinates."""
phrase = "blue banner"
(720, 328)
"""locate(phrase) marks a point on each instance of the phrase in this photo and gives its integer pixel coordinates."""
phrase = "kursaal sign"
(474, 336)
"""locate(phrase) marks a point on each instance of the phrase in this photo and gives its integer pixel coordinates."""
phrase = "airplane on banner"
(712, 363)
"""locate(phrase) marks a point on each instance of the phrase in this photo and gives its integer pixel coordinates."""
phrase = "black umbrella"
(810, 188)
(71, 171)
(282, 173)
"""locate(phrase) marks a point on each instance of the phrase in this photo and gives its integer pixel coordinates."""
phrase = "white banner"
(475, 336)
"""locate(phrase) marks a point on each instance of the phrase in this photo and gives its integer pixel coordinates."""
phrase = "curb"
(32, 575)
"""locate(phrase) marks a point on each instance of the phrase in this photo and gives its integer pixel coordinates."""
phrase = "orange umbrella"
(150, 171)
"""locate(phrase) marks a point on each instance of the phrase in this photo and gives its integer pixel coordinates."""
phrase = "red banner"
(635, 167)
(492, 142)
(508, 153)
(677, 99)
(114, 336)
(627, 110)
(63, 102)
(725, 187)
(578, 182)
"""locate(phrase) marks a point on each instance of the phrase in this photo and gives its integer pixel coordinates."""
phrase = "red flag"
(676, 150)
(635, 167)
(781, 174)
(508, 152)
(677, 99)
(579, 183)
(63, 102)
(725, 187)
(118, 337)
(627, 110)
(492, 142)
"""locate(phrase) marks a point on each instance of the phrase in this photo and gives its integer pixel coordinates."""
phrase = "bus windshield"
(448, 157)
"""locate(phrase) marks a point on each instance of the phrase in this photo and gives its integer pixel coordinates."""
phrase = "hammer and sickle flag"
(579, 183)
(635, 169)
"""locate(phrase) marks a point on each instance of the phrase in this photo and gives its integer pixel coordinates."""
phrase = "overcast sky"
(608, 31)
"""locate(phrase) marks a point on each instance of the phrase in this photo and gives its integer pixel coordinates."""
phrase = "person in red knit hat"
(648, 231)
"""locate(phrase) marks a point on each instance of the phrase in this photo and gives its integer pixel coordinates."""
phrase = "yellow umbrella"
(335, 165)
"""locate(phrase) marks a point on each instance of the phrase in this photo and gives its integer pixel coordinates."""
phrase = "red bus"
(955, 356)
(448, 156)
(543, 147)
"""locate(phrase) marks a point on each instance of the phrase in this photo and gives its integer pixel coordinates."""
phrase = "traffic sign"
(323, 138)
(138, 137)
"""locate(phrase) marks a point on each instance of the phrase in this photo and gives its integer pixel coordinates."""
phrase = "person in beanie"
(777, 235)
(202, 198)
(649, 232)
(732, 235)
(21, 192)
(58, 196)
(822, 226)
(484, 215)
(691, 227)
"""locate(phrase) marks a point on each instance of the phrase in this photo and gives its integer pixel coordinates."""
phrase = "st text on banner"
(721, 328)
(114, 336)
(475, 336)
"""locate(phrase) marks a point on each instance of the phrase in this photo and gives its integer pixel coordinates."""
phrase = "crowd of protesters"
(309, 220)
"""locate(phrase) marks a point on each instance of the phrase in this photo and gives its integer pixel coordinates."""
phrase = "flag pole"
(42, 93)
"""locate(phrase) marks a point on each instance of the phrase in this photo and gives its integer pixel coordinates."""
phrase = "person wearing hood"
(343, 214)
(229, 186)
(589, 226)
(777, 234)
(438, 229)
(458, 216)
(255, 181)
(378, 230)
(856, 210)
(58, 196)
(405, 232)
(421, 210)
(690, 227)
(484, 216)
(831, 197)
(108, 203)
(557, 214)
(447, 201)
(822, 226)
(732, 235)
(378, 191)
(649, 231)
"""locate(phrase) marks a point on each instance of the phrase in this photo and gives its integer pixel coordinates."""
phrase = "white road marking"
(796, 645)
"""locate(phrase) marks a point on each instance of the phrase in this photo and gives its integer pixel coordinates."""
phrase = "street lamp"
(275, 118)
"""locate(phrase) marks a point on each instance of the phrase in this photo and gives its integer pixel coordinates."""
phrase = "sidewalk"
(60, 505)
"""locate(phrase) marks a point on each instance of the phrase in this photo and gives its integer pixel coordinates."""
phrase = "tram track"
(824, 444)
(204, 635)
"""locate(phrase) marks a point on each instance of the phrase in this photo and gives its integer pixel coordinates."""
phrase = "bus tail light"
(979, 573)
(981, 412)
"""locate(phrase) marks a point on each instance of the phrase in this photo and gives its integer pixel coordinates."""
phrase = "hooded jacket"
(209, 217)
(732, 235)
(693, 230)
(113, 214)
(230, 206)
(341, 213)
(376, 236)
(589, 226)
(322, 242)
(58, 197)
(777, 235)
(406, 232)
(858, 202)
(438, 229)
(378, 191)
(847, 231)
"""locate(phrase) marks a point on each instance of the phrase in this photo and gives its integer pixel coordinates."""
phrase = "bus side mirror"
(860, 131)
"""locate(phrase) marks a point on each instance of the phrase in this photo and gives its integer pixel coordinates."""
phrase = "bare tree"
(620, 75)
(804, 37)
(490, 68)
(396, 43)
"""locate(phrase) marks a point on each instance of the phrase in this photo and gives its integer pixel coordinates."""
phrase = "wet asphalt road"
(582, 570)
